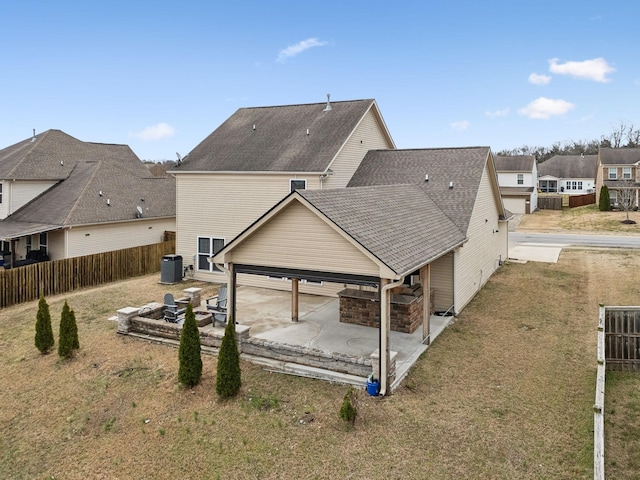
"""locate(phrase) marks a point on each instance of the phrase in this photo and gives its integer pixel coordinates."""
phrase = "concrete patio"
(268, 313)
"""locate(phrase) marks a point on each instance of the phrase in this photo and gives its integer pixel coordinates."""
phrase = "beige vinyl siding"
(315, 245)
(4, 201)
(87, 240)
(442, 282)
(223, 205)
(368, 135)
(22, 192)
(479, 257)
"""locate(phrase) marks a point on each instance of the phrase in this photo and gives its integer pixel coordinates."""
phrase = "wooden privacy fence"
(581, 200)
(622, 337)
(23, 284)
(557, 201)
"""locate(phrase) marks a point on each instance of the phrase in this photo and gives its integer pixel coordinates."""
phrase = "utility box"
(171, 269)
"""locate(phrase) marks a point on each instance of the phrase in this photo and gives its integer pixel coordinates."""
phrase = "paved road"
(626, 241)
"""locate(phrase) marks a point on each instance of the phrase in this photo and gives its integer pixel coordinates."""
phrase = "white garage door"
(515, 205)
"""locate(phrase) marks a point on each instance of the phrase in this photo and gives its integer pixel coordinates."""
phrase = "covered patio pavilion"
(363, 237)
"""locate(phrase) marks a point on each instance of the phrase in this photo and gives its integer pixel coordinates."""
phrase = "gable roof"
(462, 166)
(275, 139)
(569, 166)
(515, 163)
(53, 154)
(387, 221)
(75, 199)
(619, 156)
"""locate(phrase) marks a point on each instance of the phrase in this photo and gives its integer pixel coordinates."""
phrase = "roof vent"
(33, 139)
(138, 211)
(426, 177)
(100, 193)
(328, 107)
(254, 126)
(307, 131)
(108, 202)
(450, 185)
(179, 158)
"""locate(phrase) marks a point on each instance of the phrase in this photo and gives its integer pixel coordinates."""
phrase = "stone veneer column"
(193, 294)
(124, 318)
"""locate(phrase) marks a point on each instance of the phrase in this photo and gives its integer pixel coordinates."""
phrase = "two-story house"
(518, 176)
(61, 197)
(256, 158)
(568, 174)
(617, 168)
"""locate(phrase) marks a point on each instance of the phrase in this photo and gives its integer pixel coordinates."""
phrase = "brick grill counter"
(362, 307)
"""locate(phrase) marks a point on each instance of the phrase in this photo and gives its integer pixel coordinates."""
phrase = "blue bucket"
(373, 387)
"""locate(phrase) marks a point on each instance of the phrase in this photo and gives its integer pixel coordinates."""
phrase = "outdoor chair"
(217, 305)
(172, 312)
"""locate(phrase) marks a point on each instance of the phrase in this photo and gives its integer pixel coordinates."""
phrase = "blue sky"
(160, 76)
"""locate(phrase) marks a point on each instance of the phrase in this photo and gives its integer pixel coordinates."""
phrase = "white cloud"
(543, 108)
(596, 69)
(155, 132)
(293, 50)
(498, 113)
(538, 79)
(460, 126)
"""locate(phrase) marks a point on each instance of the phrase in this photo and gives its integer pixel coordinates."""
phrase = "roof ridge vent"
(328, 107)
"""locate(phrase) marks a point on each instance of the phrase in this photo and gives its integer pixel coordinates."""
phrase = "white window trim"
(626, 171)
(45, 245)
(211, 267)
(520, 179)
(613, 173)
(1, 193)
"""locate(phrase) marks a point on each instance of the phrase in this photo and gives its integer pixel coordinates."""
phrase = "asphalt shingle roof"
(53, 154)
(279, 142)
(400, 224)
(462, 166)
(514, 163)
(86, 171)
(619, 156)
(569, 166)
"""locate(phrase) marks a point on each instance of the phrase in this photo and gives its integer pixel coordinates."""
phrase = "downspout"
(384, 335)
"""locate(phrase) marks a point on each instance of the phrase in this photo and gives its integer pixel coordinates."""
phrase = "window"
(207, 248)
(43, 243)
(297, 185)
(613, 198)
(28, 243)
(0, 193)
(573, 185)
(521, 179)
(613, 173)
(626, 172)
(4, 247)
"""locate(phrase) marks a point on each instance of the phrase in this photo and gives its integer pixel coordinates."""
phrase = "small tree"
(627, 196)
(68, 341)
(190, 370)
(347, 410)
(44, 333)
(604, 202)
(228, 378)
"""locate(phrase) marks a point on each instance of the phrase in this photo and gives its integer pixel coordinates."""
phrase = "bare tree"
(626, 195)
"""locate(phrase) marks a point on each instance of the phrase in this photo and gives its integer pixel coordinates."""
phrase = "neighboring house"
(568, 174)
(256, 158)
(618, 167)
(433, 215)
(518, 176)
(63, 198)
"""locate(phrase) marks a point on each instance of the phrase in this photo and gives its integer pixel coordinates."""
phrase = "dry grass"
(586, 219)
(506, 392)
